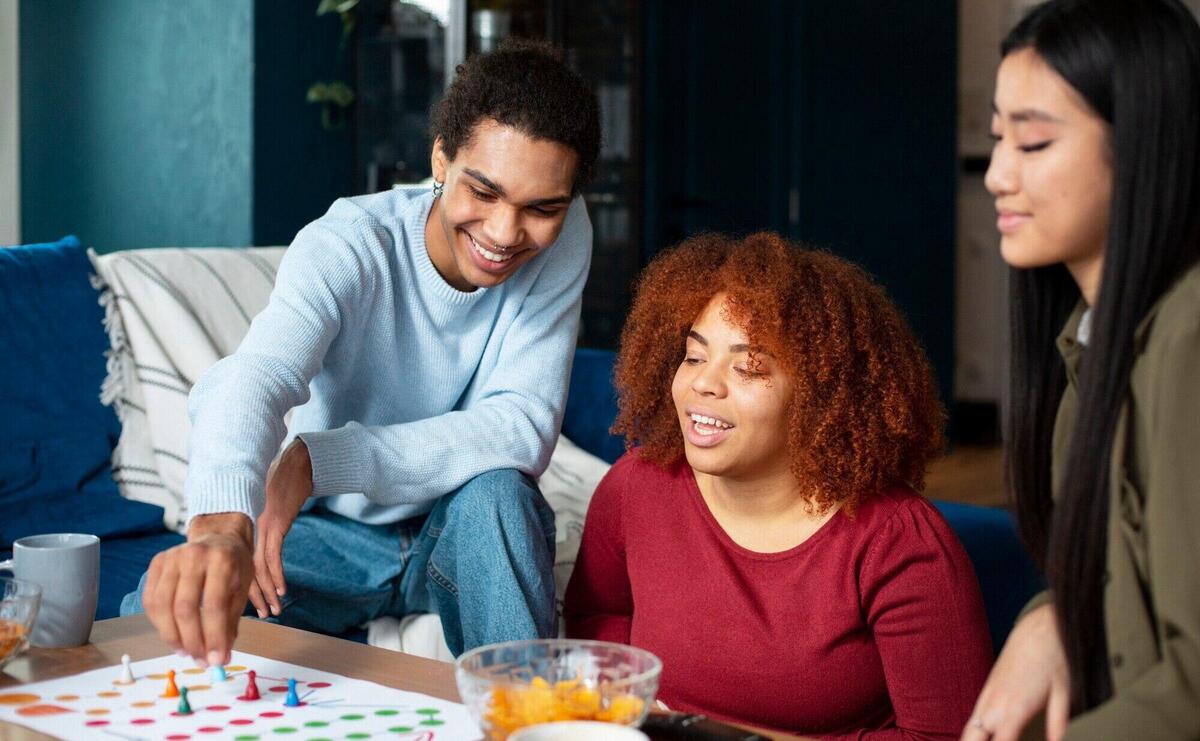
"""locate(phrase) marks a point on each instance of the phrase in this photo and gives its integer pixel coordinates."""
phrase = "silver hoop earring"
(438, 189)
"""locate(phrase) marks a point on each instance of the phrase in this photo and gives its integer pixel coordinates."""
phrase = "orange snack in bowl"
(12, 635)
(515, 707)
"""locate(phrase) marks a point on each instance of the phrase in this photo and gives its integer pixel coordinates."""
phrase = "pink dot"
(318, 684)
(271, 714)
(218, 707)
(241, 722)
(142, 721)
(279, 688)
(208, 729)
(178, 737)
(96, 723)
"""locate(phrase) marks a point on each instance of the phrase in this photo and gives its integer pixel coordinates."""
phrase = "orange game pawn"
(171, 690)
(251, 692)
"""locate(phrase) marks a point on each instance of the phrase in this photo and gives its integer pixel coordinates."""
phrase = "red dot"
(218, 707)
(96, 723)
(142, 721)
(178, 737)
(279, 688)
(241, 722)
(208, 729)
(318, 684)
(271, 714)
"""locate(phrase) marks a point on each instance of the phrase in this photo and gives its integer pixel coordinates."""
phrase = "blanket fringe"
(112, 390)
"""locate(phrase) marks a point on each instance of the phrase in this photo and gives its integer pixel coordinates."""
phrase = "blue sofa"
(56, 438)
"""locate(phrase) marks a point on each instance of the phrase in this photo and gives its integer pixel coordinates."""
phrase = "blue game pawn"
(218, 674)
(185, 707)
(292, 701)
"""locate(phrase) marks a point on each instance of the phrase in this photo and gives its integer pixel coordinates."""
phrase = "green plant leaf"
(336, 6)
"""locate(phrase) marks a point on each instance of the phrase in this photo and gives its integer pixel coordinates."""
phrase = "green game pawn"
(184, 707)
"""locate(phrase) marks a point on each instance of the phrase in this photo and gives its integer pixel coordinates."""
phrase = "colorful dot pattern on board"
(145, 708)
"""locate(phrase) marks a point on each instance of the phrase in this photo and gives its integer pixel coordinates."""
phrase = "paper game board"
(98, 705)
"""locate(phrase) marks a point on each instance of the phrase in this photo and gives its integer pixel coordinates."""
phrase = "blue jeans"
(482, 559)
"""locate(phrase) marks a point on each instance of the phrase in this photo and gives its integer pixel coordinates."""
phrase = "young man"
(425, 339)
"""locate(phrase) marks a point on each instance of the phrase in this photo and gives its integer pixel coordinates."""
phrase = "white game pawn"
(126, 671)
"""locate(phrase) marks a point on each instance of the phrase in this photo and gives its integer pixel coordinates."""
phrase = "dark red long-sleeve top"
(873, 628)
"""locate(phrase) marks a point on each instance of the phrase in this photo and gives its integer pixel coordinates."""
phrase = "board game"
(169, 698)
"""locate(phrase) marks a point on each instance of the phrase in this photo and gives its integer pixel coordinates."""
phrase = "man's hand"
(1030, 676)
(289, 485)
(196, 591)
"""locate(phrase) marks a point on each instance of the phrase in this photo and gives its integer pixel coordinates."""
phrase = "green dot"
(284, 729)
(432, 722)
(387, 712)
(358, 735)
(428, 711)
(400, 729)
(316, 724)
(352, 716)
(245, 738)
(320, 739)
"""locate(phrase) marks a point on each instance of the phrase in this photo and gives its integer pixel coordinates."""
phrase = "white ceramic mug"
(67, 568)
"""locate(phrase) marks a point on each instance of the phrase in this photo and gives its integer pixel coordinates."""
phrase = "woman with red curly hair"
(765, 539)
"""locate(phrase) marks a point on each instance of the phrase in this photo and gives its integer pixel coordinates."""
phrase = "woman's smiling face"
(505, 200)
(732, 401)
(1051, 170)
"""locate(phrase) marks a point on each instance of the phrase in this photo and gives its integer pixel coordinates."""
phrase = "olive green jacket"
(1152, 583)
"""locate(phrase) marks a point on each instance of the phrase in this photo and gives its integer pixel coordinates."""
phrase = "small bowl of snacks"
(509, 686)
(19, 602)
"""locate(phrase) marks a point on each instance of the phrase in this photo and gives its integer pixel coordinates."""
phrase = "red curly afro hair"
(865, 414)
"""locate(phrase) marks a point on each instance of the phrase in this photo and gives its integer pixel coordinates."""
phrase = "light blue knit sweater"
(409, 387)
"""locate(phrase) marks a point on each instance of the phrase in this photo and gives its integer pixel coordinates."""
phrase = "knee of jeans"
(500, 495)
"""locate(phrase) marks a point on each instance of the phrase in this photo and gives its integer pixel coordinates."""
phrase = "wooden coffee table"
(135, 636)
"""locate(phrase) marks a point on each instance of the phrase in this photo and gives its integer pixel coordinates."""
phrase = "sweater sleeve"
(237, 407)
(1162, 703)
(599, 599)
(513, 425)
(922, 601)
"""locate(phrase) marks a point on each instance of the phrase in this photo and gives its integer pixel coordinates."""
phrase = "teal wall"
(137, 121)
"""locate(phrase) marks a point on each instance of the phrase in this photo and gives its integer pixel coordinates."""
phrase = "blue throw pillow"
(56, 438)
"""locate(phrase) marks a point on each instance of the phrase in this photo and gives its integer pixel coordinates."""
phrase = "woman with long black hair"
(1096, 174)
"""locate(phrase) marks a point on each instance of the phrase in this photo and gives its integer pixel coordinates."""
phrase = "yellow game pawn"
(172, 690)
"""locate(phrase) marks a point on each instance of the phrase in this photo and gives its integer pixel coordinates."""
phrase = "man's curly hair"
(523, 84)
(864, 415)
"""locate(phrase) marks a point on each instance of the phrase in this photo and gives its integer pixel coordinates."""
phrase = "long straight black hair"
(1137, 64)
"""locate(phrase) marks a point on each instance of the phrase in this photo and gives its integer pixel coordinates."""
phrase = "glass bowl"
(19, 602)
(507, 686)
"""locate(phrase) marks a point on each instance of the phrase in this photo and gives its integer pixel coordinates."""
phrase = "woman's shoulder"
(899, 510)
(1177, 317)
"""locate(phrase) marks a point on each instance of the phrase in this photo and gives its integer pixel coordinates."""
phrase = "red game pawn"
(171, 690)
(251, 688)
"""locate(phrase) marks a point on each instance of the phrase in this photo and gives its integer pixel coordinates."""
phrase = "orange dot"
(67, 698)
(108, 693)
(193, 670)
(142, 704)
(98, 711)
(235, 668)
(18, 699)
(156, 676)
(198, 688)
(35, 710)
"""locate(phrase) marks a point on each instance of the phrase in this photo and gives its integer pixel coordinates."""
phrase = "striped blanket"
(170, 314)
